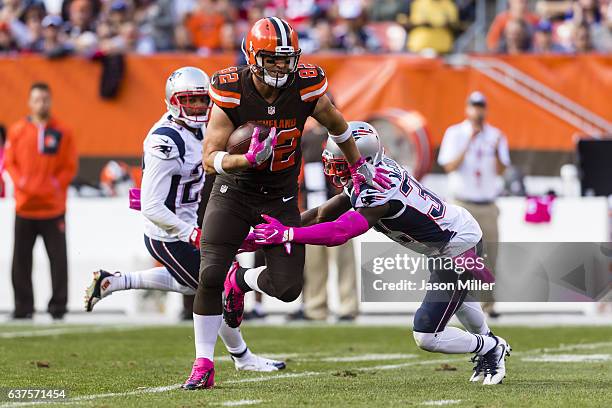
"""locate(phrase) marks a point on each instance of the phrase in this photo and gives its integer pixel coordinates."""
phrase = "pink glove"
(249, 244)
(273, 233)
(134, 196)
(194, 237)
(259, 152)
(363, 172)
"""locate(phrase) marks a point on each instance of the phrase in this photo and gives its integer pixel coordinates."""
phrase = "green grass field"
(138, 367)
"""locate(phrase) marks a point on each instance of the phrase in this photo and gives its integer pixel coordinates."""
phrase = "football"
(240, 140)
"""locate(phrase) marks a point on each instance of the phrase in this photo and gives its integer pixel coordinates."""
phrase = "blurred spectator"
(388, 10)
(517, 38)
(581, 38)
(41, 159)
(396, 38)
(602, 33)
(15, 32)
(474, 154)
(517, 10)
(54, 45)
(7, 42)
(352, 33)
(32, 17)
(80, 18)
(543, 41)
(230, 40)
(432, 23)
(204, 25)
(156, 20)
(296, 12)
(584, 11)
(592, 15)
(81, 28)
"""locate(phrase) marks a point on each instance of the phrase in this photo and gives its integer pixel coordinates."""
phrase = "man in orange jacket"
(41, 159)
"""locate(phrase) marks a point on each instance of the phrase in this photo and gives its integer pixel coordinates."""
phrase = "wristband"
(219, 161)
(343, 137)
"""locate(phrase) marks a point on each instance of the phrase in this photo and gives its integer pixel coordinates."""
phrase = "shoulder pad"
(165, 143)
(312, 82)
(225, 87)
(370, 197)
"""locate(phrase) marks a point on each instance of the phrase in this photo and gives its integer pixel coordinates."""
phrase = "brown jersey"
(233, 90)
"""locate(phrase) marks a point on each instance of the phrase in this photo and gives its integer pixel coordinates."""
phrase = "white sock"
(453, 340)
(251, 276)
(155, 278)
(472, 317)
(232, 338)
(205, 330)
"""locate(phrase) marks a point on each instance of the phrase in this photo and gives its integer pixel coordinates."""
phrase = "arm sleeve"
(156, 182)
(349, 225)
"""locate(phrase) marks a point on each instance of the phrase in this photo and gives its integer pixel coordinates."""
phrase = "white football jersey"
(418, 219)
(172, 179)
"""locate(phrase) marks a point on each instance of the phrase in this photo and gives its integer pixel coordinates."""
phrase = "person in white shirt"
(172, 180)
(474, 154)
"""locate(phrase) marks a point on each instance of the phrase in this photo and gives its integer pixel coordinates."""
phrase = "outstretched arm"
(349, 225)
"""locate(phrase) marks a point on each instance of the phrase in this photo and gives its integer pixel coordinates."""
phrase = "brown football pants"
(229, 215)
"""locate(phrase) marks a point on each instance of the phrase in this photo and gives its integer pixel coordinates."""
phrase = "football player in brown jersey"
(275, 90)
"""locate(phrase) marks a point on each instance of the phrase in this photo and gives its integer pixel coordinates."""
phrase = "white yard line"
(58, 332)
(241, 402)
(273, 377)
(441, 402)
(367, 357)
(568, 358)
(153, 390)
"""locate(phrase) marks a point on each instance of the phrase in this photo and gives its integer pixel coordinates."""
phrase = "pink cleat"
(233, 308)
(202, 375)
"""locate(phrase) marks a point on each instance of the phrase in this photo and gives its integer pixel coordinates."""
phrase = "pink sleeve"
(347, 226)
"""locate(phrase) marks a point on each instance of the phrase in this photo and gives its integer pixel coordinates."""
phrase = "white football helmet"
(369, 145)
(184, 83)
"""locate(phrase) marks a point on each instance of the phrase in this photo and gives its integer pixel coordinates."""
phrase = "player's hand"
(259, 152)
(134, 196)
(194, 237)
(273, 232)
(249, 245)
(364, 172)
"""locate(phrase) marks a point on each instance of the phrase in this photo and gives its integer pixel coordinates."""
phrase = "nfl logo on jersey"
(271, 110)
